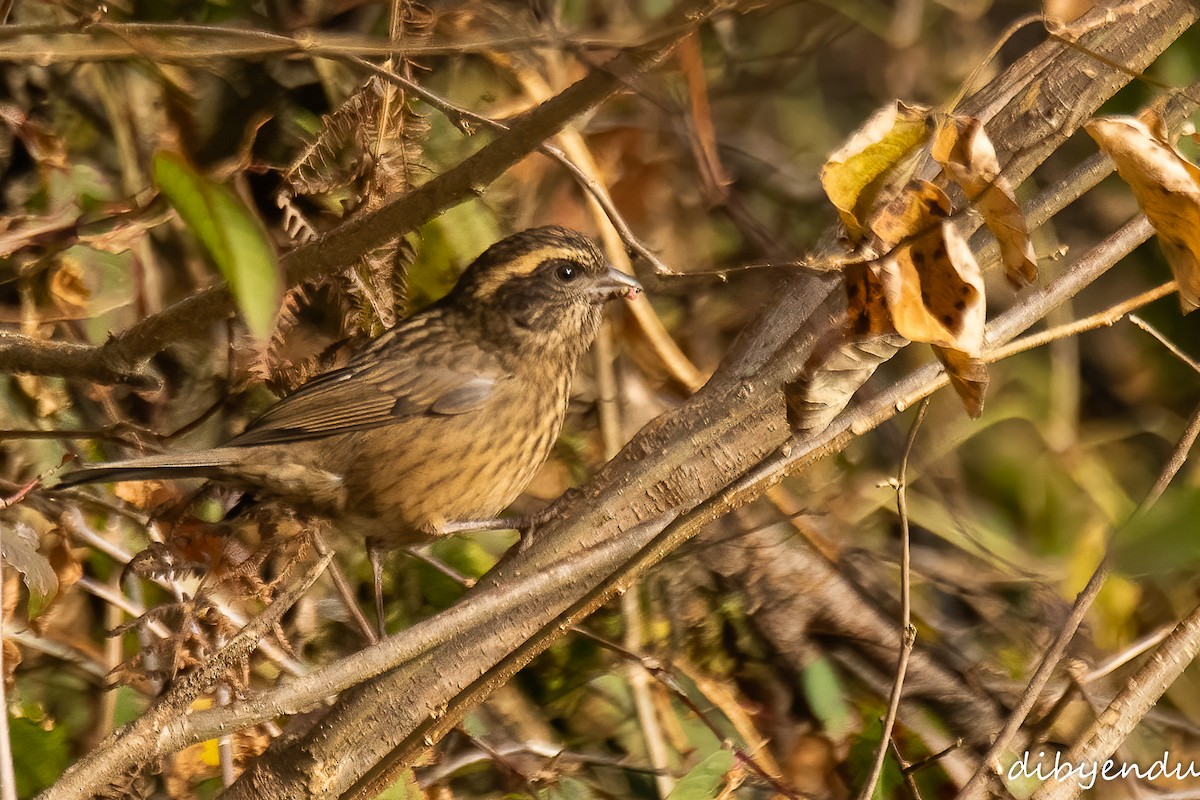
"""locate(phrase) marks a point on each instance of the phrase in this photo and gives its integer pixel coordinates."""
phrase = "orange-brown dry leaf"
(968, 377)
(10, 595)
(917, 210)
(64, 562)
(961, 146)
(142, 494)
(701, 131)
(931, 282)
(934, 290)
(851, 175)
(1167, 187)
(68, 288)
(866, 307)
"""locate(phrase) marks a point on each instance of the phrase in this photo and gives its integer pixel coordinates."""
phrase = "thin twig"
(225, 742)
(1106, 318)
(8, 778)
(1127, 654)
(609, 413)
(420, 554)
(910, 783)
(908, 636)
(1165, 342)
(61, 651)
(188, 43)
(933, 759)
(1083, 603)
(345, 593)
(71, 521)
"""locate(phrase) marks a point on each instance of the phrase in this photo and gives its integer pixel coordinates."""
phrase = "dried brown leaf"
(831, 378)
(934, 290)
(19, 549)
(1166, 185)
(962, 147)
(931, 283)
(968, 377)
(866, 305)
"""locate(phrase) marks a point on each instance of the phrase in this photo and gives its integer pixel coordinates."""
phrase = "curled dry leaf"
(962, 148)
(931, 282)
(968, 377)
(825, 386)
(866, 307)
(928, 288)
(1167, 187)
(851, 175)
(19, 548)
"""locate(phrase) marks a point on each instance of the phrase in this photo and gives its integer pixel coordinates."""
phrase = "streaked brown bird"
(444, 418)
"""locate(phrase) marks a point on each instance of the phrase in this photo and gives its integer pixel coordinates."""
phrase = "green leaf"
(703, 781)
(128, 706)
(827, 699)
(231, 233)
(406, 788)
(39, 756)
(19, 548)
(862, 758)
(567, 789)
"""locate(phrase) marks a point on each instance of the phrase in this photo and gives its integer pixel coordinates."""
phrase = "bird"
(436, 425)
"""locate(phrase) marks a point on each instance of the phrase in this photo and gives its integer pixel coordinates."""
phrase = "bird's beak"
(615, 283)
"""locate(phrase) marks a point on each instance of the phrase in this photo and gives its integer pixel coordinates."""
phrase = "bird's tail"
(201, 464)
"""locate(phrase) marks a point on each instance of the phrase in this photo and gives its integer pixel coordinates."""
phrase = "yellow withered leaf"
(1167, 187)
(964, 151)
(851, 172)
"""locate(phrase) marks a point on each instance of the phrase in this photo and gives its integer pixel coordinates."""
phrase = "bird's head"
(549, 282)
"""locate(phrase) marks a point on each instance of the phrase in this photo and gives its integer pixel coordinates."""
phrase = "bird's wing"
(408, 372)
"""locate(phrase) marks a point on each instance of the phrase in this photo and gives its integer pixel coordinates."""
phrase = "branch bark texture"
(721, 449)
(690, 459)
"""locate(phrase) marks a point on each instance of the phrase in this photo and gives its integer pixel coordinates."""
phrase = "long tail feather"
(202, 464)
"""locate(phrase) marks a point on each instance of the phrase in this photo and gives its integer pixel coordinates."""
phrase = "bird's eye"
(566, 272)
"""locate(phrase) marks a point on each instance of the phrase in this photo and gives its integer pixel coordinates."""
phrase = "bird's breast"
(430, 469)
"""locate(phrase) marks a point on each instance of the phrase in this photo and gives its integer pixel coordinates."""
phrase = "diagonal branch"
(122, 359)
(692, 457)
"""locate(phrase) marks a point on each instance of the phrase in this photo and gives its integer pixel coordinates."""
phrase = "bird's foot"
(524, 525)
(376, 554)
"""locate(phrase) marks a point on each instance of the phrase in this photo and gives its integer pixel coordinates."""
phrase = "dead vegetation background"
(754, 661)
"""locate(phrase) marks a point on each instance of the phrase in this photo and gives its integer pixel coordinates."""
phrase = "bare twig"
(173, 732)
(1106, 318)
(1083, 602)
(910, 782)
(122, 358)
(1130, 705)
(346, 593)
(1165, 342)
(128, 746)
(185, 43)
(908, 634)
(8, 778)
(1127, 654)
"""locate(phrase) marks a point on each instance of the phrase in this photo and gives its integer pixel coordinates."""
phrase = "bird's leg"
(525, 525)
(451, 527)
(375, 553)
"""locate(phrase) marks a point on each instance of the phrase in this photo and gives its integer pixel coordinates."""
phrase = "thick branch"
(697, 451)
(123, 357)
